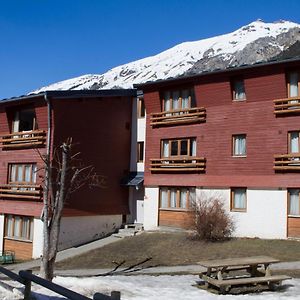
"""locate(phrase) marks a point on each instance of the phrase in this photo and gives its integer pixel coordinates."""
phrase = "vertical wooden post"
(27, 290)
(115, 295)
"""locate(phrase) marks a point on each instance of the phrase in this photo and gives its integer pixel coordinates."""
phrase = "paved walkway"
(62, 255)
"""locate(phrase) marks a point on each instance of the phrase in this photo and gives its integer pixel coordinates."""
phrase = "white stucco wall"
(151, 208)
(1, 231)
(37, 244)
(78, 230)
(265, 216)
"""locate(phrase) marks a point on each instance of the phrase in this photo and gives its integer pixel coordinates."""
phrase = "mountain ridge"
(255, 42)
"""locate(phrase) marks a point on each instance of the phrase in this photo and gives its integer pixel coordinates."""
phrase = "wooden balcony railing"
(28, 139)
(178, 116)
(21, 191)
(287, 106)
(287, 162)
(184, 164)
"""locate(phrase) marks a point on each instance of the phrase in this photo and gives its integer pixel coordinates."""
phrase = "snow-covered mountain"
(256, 42)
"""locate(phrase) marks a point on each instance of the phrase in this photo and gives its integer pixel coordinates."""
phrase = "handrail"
(178, 116)
(288, 105)
(287, 162)
(26, 277)
(21, 191)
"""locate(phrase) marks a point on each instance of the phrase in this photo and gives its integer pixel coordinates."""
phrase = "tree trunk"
(53, 213)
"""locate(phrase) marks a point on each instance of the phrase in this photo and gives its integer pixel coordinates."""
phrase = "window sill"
(176, 209)
(294, 216)
(239, 100)
(17, 239)
(238, 210)
(239, 156)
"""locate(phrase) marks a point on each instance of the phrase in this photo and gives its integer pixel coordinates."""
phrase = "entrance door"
(140, 211)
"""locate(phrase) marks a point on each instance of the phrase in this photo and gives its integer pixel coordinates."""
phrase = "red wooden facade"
(266, 132)
(100, 126)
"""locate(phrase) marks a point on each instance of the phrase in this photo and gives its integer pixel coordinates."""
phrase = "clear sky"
(45, 41)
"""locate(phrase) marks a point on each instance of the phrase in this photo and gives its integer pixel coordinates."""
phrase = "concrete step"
(135, 226)
(129, 230)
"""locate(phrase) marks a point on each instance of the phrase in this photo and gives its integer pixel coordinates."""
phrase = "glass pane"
(163, 197)
(239, 90)
(9, 228)
(193, 147)
(27, 173)
(192, 197)
(294, 208)
(167, 103)
(175, 97)
(174, 148)
(183, 198)
(25, 228)
(173, 198)
(294, 142)
(26, 122)
(239, 200)
(33, 175)
(13, 170)
(184, 147)
(17, 227)
(20, 173)
(185, 99)
(293, 92)
(165, 148)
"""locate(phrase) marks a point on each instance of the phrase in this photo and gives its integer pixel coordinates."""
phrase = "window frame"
(191, 99)
(141, 110)
(179, 189)
(289, 202)
(232, 200)
(288, 81)
(189, 140)
(233, 150)
(234, 81)
(11, 236)
(140, 152)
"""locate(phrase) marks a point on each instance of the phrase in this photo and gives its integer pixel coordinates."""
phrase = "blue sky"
(45, 41)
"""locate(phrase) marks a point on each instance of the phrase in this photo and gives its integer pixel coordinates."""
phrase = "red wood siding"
(101, 130)
(25, 207)
(266, 133)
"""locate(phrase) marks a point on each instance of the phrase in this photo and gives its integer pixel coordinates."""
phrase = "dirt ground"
(178, 248)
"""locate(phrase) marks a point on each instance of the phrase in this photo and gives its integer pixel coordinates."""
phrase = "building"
(99, 123)
(233, 134)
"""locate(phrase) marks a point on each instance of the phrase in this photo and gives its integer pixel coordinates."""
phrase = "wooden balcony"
(21, 191)
(184, 164)
(287, 106)
(19, 140)
(178, 116)
(287, 162)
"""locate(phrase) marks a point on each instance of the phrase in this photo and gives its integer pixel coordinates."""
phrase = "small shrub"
(211, 221)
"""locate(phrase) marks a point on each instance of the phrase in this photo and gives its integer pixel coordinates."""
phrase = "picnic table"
(247, 272)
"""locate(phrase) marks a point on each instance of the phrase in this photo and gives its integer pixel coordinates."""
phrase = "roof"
(76, 94)
(141, 86)
(133, 179)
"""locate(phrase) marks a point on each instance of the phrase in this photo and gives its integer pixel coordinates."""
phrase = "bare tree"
(64, 174)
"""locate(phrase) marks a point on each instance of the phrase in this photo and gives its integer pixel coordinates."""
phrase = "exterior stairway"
(129, 230)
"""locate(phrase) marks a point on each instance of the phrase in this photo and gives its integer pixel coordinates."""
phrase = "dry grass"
(169, 249)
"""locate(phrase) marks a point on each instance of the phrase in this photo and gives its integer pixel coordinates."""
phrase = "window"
(19, 227)
(293, 142)
(238, 90)
(239, 145)
(22, 173)
(238, 199)
(140, 151)
(294, 202)
(140, 108)
(176, 100)
(176, 197)
(24, 120)
(293, 80)
(178, 147)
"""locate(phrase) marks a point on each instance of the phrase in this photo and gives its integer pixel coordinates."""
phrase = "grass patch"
(178, 248)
